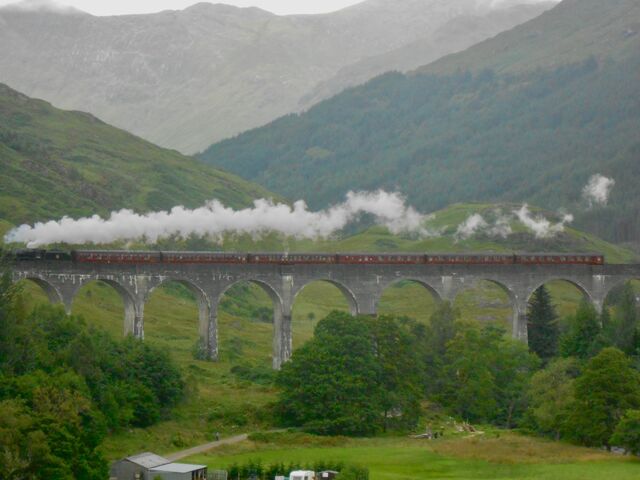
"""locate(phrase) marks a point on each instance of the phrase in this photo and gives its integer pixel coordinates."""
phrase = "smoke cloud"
(539, 225)
(214, 219)
(597, 191)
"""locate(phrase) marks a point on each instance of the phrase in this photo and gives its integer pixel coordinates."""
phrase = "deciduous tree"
(608, 388)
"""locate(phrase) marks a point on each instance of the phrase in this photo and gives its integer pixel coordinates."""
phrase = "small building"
(327, 475)
(137, 467)
(179, 471)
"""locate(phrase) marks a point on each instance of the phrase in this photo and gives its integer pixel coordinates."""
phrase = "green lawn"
(508, 457)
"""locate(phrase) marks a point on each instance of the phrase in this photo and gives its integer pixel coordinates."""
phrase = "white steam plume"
(214, 219)
(500, 226)
(472, 225)
(540, 226)
(597, 191)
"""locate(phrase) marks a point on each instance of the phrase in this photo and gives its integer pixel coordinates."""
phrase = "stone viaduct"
(362, 286)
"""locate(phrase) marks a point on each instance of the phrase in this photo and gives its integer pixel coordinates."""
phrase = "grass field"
(494, 455)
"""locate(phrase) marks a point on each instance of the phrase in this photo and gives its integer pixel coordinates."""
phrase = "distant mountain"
(184, 79)
(456, 35)
(525, 125)
(55, 163)
(572, 31)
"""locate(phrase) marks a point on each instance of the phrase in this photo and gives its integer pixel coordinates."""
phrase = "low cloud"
(598, 190)
(510, 3)
(41, 5)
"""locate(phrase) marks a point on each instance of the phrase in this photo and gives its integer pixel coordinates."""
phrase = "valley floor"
(494, 455)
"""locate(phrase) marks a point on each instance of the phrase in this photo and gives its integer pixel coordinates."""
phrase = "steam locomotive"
(140, 257)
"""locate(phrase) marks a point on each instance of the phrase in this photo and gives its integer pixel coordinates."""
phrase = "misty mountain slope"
(55, 163)
(535, 136)
(572, 31)
(454, 36)
(184, 79)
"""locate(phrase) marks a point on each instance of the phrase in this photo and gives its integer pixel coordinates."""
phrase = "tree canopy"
(64, 386)
(356, 376)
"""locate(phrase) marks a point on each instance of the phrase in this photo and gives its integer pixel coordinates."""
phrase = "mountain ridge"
(184, 79)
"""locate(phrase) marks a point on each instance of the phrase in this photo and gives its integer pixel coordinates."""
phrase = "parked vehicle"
(302, 475)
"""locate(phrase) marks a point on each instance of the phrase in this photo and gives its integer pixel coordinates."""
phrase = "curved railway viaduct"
(362, 286)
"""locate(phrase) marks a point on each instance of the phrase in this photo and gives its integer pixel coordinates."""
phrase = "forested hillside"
(55, 163)
(476, 135)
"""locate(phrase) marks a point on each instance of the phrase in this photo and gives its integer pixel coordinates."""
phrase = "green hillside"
(55, 163)
(477, 134)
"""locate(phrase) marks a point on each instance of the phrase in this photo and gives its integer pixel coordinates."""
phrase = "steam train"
(140, 257)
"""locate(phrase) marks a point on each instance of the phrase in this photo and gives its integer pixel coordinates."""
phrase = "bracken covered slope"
(55, 163)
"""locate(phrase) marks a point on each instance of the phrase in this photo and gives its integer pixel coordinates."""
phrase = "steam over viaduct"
(362, 286)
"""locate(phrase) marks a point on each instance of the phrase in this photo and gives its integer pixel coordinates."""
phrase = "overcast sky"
(118, 7)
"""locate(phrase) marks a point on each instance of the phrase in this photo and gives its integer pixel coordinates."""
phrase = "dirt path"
(206, 447)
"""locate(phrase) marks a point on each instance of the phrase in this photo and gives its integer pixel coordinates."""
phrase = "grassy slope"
(55, 163)
(492, 456)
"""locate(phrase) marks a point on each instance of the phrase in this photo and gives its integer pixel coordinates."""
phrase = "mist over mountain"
(530, 115)
(184, 79)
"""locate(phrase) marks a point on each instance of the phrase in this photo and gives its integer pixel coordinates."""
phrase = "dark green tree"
(625, 323)
(543, 324)
(608, 388)
(356, 376)
(486, 374)
(331, 385)
(551, 395)
(584, 337)
(400, 372)
(434, 339)
(468, 381)
(627, 433)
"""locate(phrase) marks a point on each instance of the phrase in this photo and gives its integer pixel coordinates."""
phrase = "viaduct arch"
(362, 286)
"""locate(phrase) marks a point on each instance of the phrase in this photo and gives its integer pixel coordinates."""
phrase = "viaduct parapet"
(362, 286)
